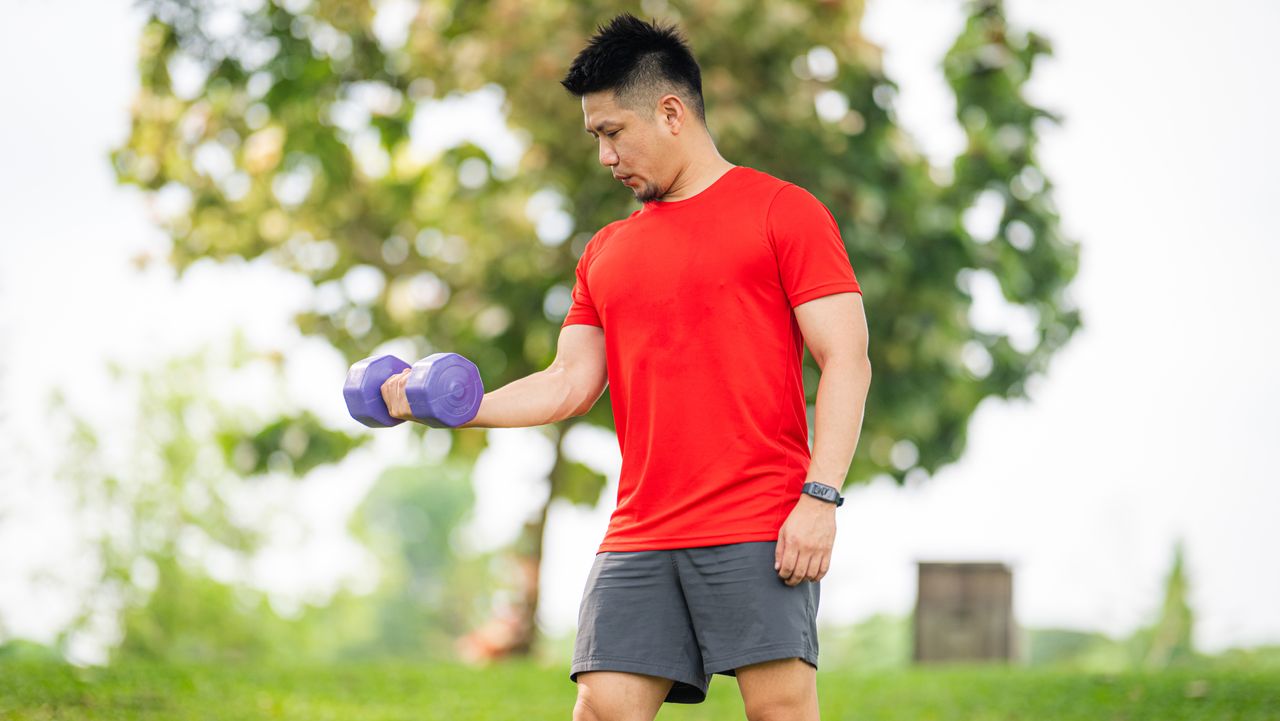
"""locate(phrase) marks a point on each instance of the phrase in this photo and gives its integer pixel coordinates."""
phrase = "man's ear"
(671, 112)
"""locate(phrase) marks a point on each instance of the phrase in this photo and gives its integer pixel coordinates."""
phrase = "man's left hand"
(805, 541)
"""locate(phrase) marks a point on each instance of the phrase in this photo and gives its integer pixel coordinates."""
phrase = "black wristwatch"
(823, 492)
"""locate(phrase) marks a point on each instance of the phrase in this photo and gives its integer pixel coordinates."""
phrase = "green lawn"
(524, 690)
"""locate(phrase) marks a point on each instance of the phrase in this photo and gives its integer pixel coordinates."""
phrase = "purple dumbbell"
(444, 390)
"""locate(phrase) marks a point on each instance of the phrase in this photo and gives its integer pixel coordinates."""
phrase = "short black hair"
(640, 62)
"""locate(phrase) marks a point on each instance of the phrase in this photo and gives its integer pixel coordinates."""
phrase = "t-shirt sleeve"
(582, 310)
(812, 260)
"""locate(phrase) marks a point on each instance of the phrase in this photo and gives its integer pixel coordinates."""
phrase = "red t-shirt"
(703, 350)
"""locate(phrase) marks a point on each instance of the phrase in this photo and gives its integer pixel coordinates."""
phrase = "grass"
(524, 690)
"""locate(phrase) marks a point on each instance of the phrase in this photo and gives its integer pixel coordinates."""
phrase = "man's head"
(641, 92)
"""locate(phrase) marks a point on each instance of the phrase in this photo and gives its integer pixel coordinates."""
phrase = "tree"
(273, 160)
(1169, 640)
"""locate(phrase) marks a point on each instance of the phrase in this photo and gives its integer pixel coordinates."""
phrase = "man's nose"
(608, 157)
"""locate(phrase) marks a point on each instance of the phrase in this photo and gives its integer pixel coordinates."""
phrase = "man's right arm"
(568, 387)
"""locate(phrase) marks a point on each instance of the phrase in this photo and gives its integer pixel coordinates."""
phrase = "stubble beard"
(648, 193)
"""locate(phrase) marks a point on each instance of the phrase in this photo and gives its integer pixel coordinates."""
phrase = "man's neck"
(697, 177)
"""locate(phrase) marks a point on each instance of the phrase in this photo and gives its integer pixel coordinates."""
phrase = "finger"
(788, 565)
(822, 571)
(390, 385)
(815, 567)
(802, 568)
(389, 396)
(393, 395)
(791, 566)
(388, 391)
(777, 553)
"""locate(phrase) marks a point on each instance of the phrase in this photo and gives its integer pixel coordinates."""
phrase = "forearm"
(841, 402)
(539, 398)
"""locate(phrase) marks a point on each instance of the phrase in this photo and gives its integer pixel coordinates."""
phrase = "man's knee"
(778, 710)
(782, 689)
(797, 705)
(616, 696)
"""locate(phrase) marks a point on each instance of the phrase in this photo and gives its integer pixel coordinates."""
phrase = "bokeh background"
(1062, 215)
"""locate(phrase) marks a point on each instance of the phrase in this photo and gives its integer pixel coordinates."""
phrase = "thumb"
(777, 555)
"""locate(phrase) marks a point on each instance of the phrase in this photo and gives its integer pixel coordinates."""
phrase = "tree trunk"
(512, 629)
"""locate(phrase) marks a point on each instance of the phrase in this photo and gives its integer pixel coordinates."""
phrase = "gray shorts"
(688, 613)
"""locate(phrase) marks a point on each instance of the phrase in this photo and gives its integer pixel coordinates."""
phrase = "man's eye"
(613, 133)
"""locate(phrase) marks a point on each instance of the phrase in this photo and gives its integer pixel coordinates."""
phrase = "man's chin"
(646, 196)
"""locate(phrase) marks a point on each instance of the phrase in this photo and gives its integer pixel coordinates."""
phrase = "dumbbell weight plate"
(363, 390)
(444, 390)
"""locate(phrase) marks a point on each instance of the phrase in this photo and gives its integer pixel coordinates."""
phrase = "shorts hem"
(611, 663)
(727, 664)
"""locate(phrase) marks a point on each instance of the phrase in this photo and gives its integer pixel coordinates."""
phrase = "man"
(697, 308)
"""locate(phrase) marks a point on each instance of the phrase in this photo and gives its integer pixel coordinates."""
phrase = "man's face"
(632, 146)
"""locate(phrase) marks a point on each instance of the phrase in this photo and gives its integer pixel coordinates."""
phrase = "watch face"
(822, 491)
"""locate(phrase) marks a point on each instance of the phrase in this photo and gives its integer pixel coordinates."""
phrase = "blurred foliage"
(426, 594)
(169, 496)
(1075, 649)
(1168, 641)
(1255, 658)
(22, 650)
(177, 500)
(192, 617)
(429, 591)
(882, 641)
(301, 443)
(1164, 643)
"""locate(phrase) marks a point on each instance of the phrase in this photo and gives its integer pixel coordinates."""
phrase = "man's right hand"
(394, 396)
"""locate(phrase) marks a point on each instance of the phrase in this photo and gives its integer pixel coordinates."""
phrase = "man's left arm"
(835, 331)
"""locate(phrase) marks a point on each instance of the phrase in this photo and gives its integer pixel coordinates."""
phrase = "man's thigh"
(782, 689)
(743, 613)
(633, 619)
(618, 696)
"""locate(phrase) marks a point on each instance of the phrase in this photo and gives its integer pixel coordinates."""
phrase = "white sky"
(1154, 423)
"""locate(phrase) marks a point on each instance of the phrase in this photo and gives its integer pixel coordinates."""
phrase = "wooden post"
(964, 612)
